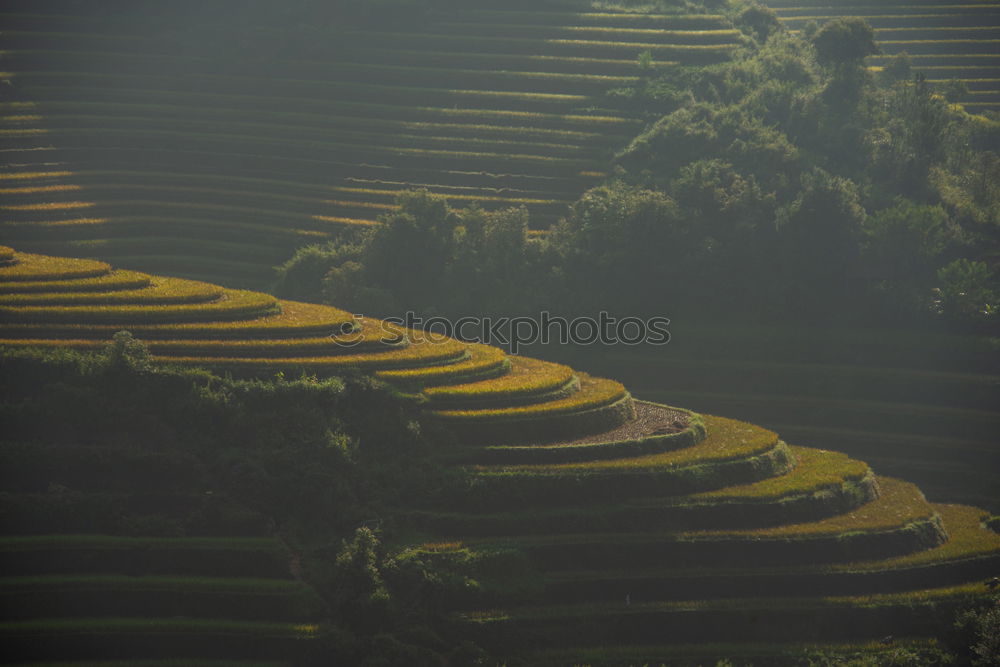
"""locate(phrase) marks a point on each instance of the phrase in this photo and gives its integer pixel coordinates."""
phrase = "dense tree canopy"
(785, 183)
(845, 41)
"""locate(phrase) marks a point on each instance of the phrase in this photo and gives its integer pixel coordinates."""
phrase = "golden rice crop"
(500, 94)
(32, 267)
(658, 32)
(899, 42)
(370, 336)
(484, 155)
(159, 291)
(417, 354)
(531, 115)
(455, 197)
(275, 350)
(981, 591)
(152, 204)
(48, 206)
(518, 131)
(815, 469)
(115, 280)
(526, 376)
(499, 144)
(642, 46)
(38, 189)
(593, 393)
(727, 440)
(606, 34)
(229, 352)
(294, 320)
(362, 204)
(480, 358)
(345, 221)
(32, 175)
(231, 305)
(967, 538)
(898, 505)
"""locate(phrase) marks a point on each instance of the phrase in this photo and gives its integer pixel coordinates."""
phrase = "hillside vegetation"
(554, 505)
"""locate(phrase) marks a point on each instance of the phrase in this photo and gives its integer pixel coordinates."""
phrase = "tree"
(359, 588)
(301, 276)
(845, 41)
(915, 137)
(623, 246)
(126, 353)
(819, 241)
(968, 290)
(733, 218)
(409, 250)
(492, 264)
(704, 131)
(977, 634)
(759, 21)
(902, 247)
(899, 68)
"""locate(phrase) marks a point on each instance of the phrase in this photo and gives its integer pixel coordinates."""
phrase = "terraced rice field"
(97, 597)
(946, 41)
(137, 140)
(85, 581)
(698, 541)
(702, 541)
(476, 389)
(646, 525)
(918, 406)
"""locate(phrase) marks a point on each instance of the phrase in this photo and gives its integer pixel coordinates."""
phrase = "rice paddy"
(470, 100)
(32, 268)
(495, 108)
(526, 378)
(593, 393)
(230, 305)
(815, 471)
(898, 506)
(727, 440)
(681, 508)
(164, 290)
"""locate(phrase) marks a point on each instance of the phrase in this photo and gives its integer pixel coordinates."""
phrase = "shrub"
(968, 289)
